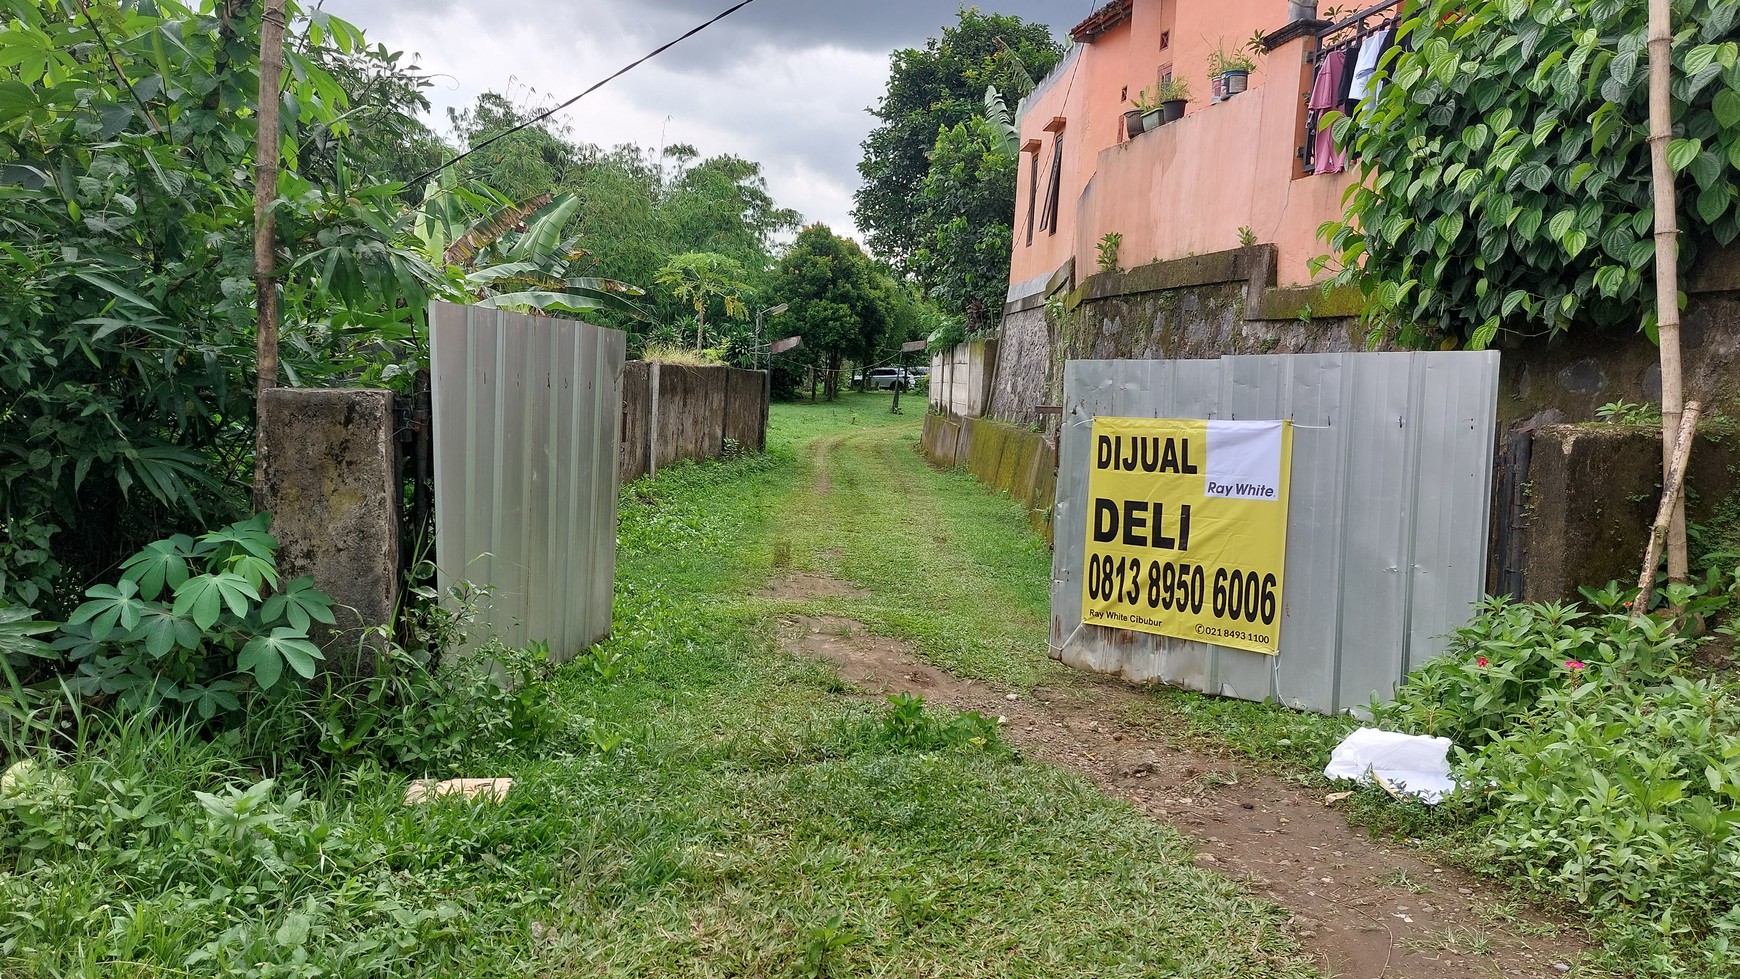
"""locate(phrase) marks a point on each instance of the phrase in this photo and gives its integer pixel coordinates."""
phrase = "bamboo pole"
(1667, 264)
(266, 153)
(1672, 501)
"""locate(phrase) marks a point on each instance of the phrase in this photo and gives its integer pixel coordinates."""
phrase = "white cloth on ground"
(1408, 763)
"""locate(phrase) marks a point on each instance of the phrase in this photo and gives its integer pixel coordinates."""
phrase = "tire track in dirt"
(1366, 909)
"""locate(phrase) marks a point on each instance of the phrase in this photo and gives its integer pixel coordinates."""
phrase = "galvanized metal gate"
(526, 423)
(1387, 533)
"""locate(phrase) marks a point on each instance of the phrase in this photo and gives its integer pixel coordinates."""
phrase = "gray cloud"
(783, 82)
(864, 25)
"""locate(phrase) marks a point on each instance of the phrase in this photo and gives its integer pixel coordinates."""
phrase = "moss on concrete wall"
(1020, 463)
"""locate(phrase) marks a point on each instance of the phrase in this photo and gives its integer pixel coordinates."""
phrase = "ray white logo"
(1244, 460)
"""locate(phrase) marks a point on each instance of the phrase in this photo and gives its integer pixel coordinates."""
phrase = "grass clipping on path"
(709, 807)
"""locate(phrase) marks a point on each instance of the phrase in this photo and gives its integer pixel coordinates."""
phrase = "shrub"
(424, 717)
(1615, 794)
(1502, 663)
(197, 622)
(1597, 772)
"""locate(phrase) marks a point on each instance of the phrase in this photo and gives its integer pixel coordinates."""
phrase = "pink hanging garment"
(1324, 91)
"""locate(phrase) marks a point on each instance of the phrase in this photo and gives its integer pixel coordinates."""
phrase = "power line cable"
(540, 117)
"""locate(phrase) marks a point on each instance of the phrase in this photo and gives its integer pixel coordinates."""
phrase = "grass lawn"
(706, 806)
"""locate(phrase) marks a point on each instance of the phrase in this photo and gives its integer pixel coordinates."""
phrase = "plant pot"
(1133, 125)
(1236, 81)
(1172, 110)
(1152, 120)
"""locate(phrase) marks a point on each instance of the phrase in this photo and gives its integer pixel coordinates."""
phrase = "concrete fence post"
(329, 475)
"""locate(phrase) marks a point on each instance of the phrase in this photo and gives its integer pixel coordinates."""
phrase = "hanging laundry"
(1366, 65)
(1326, 94)
(1390, 40)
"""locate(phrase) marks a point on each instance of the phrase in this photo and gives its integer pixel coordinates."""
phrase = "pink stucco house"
(1190, 186)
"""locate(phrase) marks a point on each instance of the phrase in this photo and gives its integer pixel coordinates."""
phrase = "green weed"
(708, 810)
(823, 941)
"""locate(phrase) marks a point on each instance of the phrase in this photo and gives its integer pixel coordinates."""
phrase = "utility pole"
(1667, 264)
(899, 381)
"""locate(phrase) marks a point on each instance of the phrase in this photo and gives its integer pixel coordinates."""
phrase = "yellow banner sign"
(1187, 529)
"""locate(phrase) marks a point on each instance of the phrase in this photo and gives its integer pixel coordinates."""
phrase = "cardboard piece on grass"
(488, 789)
(1400, 764)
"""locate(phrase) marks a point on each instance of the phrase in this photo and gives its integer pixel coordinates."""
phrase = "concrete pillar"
(330, 470)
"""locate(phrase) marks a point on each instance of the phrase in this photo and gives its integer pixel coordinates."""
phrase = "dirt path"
(1366, 909)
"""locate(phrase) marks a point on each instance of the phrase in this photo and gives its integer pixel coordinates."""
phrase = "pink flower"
(1573, 664)
(1480, 661)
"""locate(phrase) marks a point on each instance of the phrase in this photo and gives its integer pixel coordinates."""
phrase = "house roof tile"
(1102, 20)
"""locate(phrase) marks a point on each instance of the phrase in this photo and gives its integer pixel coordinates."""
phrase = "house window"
(1048, 220)
(1032, 191)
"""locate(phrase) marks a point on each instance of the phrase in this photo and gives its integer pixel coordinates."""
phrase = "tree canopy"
(638, 209)
(964, 256)
(1505, 184)
(932, 89)
(699, 278)
(839, 301)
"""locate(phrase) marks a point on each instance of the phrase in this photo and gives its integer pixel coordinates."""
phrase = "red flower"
(1573, 664)
(1480, 661)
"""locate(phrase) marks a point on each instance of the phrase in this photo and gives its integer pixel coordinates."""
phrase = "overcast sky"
(783, 82)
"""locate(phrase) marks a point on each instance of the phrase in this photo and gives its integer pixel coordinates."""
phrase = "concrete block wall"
(1018, 462)
(673, 412)
(746, 408)
(1591, 494)
(961, 378)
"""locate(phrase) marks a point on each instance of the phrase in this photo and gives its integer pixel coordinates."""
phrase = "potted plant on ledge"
(1231, 72)
(1147, 102)
(1172, 94)
(1134, 124)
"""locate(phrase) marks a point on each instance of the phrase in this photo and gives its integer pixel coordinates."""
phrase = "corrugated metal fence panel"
(527, 411)
(1386, 541)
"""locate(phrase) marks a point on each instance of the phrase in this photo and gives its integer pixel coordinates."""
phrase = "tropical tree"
(507, 255)
(539, 159)
(963, 255)
(699, 278)
(932, 89)
(638, 209)
(839, 302)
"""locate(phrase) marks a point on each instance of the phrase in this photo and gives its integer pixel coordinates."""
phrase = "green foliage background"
(840, 301)
(126, 303)
(1505, 184)
(953, 236)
